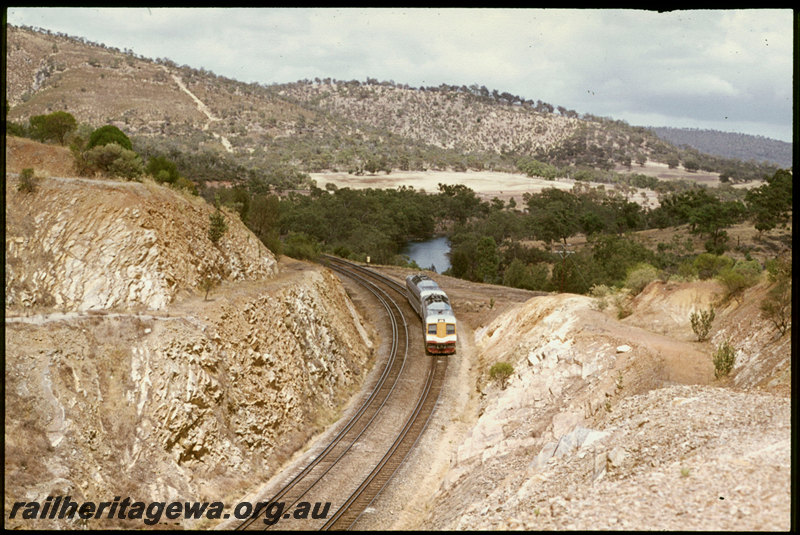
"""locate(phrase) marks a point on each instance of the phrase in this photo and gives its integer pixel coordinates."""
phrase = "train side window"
(451, 328)
(431, 328)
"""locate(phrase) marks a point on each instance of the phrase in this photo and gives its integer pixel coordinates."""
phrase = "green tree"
(770, 205)
(487, 260)
(301, 245)
(691, 165)
(673, 161)
(708, 265)
(55, 126)
(711, 219)
(525, 276)
(554, 215)
(458, 201)
(263, 219)
(217, 226)
(109, 134)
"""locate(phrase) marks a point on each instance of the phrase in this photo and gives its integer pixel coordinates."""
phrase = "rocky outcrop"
(591, 431)
(123, 379)
(81, 244)
(187, 407)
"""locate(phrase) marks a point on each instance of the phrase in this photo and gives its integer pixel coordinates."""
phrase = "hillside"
(729, 144)
(276, 133)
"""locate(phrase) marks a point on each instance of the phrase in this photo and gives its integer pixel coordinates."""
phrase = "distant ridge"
(743, 147)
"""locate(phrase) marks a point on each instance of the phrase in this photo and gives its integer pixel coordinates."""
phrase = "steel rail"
(366, 493)
(373, 402)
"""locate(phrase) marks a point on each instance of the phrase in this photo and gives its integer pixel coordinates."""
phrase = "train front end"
(440, 331)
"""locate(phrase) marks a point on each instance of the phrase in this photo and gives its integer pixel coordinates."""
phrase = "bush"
(113, 160)
(623, 305)
(185, 183)
(217, 226)
(709, 265)
(724, 359)
(108, 134)
(701, 323)
(738, 278)
(162, 170)
(601, 293)
(500, 372)
(207, 284)
(301, 245)
(777, 307)
(779, 268)
(18, 130)
(640, 276)
(27, 181)
(687, 270)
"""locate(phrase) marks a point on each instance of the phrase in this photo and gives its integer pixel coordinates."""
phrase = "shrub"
(217, 226)
(108, 134)
(724, 359)
(301, 245)
(185, 183)
(14, 129)
(701, 323)
(687, 270)
(640, 276)
(113, 160)
(738, 278)
(779, 268)
(709, 265)
(207, 284)
(623, 305)
(162, 170)
(501, 371)
(601, 293)
(27, 181)
(777, 307)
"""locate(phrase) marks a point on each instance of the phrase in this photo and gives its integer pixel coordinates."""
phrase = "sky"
(728, 70)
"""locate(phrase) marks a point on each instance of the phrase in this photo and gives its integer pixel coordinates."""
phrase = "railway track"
(340, 450)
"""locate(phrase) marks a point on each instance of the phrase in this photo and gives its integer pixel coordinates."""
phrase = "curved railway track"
(364, 419)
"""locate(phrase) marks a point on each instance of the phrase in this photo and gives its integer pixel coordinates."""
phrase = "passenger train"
(433, 306)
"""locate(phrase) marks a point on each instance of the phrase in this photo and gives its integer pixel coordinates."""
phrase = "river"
(430, 253)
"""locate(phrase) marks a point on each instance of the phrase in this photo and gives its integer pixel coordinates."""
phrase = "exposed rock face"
(128, 382)
(592, 432)
(182, 407)
(79, 244)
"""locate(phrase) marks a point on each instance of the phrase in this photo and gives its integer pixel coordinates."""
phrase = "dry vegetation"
(308, 126)
(485, 471)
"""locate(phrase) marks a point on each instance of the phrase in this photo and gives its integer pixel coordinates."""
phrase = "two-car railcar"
(433, 306)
